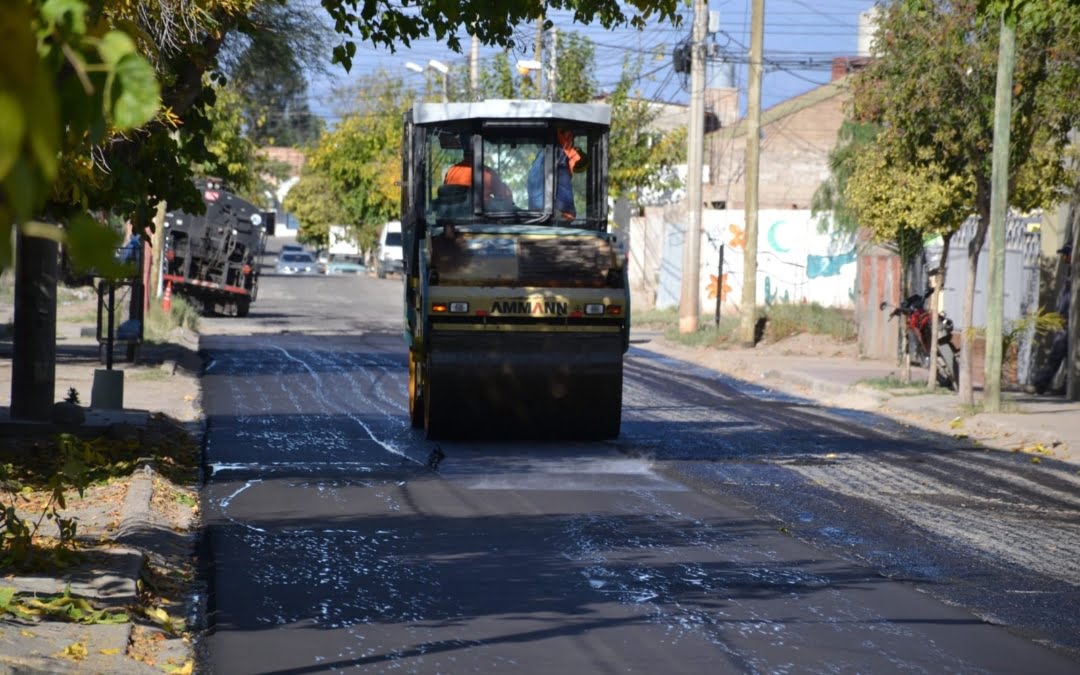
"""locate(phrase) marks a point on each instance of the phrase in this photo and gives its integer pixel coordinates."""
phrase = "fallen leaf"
(956, 423)
(831, 455)
(110, 652)
(1036, 460)
(26, 634)
(75, 651)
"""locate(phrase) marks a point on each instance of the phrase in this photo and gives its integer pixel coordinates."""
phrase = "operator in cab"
(461, 174)
(567, 159)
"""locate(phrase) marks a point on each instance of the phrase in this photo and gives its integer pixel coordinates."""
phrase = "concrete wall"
(794, 158)
(795, 262)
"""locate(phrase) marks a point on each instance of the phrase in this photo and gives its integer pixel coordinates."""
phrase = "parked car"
(345, 266)
(290, 262)
(390, 256)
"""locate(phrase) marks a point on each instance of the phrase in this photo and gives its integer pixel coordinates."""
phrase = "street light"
(437, 66)
(444, 70)
(527, 66)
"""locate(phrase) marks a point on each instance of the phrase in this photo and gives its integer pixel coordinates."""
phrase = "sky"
(801, 39)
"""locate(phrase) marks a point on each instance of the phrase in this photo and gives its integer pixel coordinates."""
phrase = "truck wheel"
(416, 397)
(243, 307)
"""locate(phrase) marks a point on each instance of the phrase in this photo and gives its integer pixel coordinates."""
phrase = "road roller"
(517, 306)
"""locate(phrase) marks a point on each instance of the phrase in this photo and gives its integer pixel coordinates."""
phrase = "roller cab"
(517, 308)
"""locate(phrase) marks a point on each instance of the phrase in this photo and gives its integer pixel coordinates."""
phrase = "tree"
(269, 68)
(231, 152)
(829, 203)
(931, 91)
(314, 202)
(497, 79)
(359, 162)
(640, 158)
(494, 22)
(575, 57)
(877, 195)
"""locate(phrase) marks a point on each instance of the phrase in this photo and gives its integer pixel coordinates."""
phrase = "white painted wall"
(796, 263)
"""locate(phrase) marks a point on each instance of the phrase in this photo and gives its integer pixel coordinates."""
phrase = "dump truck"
(517, 304)
(213, 259)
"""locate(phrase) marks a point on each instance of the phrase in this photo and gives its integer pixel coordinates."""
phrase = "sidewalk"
(1045, 426)
(136, 532)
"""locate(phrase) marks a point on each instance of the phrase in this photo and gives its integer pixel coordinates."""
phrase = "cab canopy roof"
(589, 113)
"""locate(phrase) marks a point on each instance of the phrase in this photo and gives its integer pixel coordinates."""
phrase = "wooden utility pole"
(999, 203)
(474, 68)
(753, 153)
(538, 54)
(553, 81)
(33, 363)
(689, 295)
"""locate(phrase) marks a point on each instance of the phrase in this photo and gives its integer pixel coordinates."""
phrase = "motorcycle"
(917, 323)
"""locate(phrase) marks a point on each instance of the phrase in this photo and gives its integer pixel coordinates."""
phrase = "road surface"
(728, 529)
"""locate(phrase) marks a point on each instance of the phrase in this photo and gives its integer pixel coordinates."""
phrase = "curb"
(821, 386)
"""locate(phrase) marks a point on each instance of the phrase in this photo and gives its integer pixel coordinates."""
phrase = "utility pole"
(553, 88)
(753, 154)
(689, 296)
(538, 53)
(999, 203)
(474, 67)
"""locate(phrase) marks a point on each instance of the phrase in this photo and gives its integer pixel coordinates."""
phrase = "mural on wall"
(796, 263)
(718, 286)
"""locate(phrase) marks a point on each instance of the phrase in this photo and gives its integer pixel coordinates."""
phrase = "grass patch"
(784, 321)
(154, 375)
(789, 319)
(159, 323)
(1006, 407)
(895, 384)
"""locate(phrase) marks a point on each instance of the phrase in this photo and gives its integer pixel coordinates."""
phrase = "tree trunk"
(967, 333)
(1072, 327)
(33, 363)
(935, 302)
(905, 338)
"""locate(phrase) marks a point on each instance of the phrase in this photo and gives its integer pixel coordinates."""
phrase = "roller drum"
(523, 385)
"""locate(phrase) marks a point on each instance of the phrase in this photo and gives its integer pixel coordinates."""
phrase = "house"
(796, 263)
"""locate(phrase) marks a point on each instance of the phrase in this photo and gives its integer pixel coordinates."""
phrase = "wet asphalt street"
(729, 529)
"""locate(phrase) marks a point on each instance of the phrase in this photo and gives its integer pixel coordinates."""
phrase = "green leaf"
(12, 128)
(70, 14)
(135, 92)
(93, 247)
(7, 594)
(44, 128)
(20, 187)
(115, 46)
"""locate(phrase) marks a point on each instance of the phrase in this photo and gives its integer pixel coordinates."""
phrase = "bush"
(159, 323)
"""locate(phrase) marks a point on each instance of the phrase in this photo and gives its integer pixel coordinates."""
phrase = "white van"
(390, 256)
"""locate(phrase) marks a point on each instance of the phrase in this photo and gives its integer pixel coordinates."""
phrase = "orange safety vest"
(461, 174)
